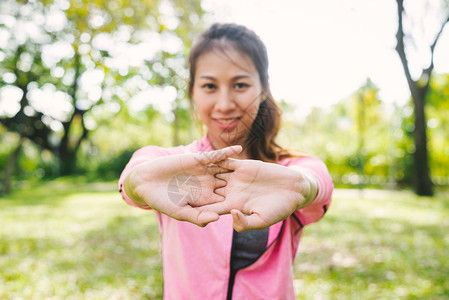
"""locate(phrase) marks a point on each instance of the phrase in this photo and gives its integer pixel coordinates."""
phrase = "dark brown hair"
(260, 142)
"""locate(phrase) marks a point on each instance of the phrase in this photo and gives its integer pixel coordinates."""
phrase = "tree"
(67, 64)
(353, 140)
(366, 113)
(438, 124)
(419, 89)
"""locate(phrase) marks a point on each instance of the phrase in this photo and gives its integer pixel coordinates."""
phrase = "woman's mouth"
(227, 123)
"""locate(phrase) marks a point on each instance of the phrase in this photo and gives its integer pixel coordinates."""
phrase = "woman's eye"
(209, 86)
(241, 85)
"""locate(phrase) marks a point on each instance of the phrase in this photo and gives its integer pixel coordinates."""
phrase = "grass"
(378, 245)
(75, 240)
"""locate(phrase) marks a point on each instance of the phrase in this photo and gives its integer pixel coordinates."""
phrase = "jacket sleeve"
(142, 155)
(318, 207)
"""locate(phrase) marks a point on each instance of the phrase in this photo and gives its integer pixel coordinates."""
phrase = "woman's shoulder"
(301, 160)
(318, 169)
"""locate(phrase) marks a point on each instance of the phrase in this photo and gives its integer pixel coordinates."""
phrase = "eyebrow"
(233, 78)
(241, 77)
(207, 77)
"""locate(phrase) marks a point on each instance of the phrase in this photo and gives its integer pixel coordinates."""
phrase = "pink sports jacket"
(196, 261)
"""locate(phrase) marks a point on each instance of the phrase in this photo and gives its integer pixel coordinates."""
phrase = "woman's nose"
(225, 101)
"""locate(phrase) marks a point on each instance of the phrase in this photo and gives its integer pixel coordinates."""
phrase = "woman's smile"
(227, 123)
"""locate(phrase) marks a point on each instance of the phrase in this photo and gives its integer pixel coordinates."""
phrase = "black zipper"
(231, 284)
(233, 271)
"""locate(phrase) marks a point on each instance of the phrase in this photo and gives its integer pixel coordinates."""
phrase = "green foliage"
(366, 142)
(8, 141)
(437, 131)
(92, 59)
(438, 128)
(113, 168)
(68, 239)
(352, 137)
(114, 98)
(377, 154)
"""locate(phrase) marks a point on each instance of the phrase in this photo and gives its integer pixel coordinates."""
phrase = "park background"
(83, 84)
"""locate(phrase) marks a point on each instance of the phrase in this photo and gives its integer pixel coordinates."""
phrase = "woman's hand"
(177, 185)
(260, 194)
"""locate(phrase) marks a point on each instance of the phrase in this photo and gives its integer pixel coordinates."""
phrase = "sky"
(320, 52)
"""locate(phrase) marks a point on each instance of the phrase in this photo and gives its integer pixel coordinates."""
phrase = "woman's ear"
(266, 93)
(263, 96)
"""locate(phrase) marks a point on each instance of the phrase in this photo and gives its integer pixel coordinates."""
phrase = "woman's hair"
(260, 143)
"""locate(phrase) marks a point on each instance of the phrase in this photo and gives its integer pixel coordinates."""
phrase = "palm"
(267, 193)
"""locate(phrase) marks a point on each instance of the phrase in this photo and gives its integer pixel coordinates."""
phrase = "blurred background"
(364, 85)
(85, 83)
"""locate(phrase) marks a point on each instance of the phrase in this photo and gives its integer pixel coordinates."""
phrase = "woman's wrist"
(313, 186)
(309, 186)
(129, 186)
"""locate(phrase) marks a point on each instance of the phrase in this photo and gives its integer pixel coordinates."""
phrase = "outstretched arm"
(177, 185)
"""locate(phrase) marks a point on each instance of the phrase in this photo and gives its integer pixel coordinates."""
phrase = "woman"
(254, 196)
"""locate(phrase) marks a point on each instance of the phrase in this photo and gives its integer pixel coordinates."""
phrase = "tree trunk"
(67, 162)
(423, 184)
(10, 168)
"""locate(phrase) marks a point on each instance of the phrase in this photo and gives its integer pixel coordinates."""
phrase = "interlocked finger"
(219, 183)
(220, 208)
(218, 155)
(224, 176)
(228, 164)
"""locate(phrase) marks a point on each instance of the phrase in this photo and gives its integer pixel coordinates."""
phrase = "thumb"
(239, 220)
(245, 223)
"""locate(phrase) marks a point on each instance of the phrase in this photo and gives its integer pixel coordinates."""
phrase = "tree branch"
(400, 47)
(429, 70)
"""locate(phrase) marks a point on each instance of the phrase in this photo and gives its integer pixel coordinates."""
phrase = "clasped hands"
(199, 187)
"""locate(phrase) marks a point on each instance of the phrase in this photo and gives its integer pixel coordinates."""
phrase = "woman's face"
(227, 93)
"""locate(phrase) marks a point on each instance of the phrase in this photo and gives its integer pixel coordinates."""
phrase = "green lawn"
(69, 240)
